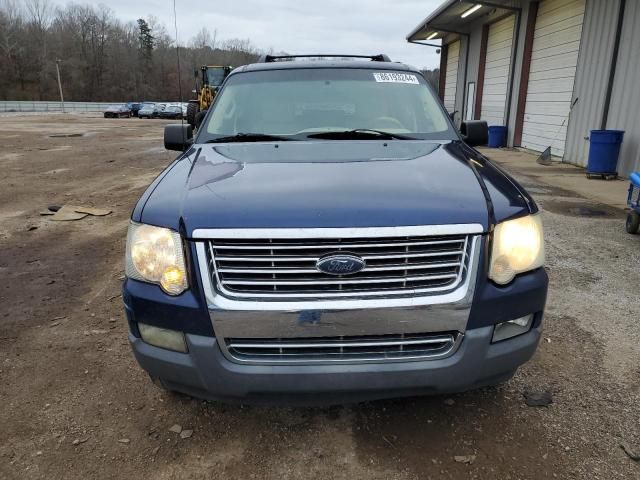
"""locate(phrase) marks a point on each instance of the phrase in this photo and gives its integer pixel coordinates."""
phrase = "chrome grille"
(329, 349)
(286, 267)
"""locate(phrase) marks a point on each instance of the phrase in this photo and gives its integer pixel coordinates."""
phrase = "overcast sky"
(297, 26)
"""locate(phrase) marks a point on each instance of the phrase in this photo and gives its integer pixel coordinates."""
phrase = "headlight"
(155, 255)
(518, 246)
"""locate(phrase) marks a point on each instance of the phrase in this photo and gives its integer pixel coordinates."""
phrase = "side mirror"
(178, 137)
(475, 132)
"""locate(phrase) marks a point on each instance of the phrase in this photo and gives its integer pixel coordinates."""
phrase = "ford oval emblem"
(340, 264)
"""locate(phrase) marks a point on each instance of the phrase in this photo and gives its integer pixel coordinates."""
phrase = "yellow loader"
(212, 77)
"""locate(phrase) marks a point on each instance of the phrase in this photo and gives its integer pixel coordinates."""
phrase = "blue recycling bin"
(497, 136)
(604, 150)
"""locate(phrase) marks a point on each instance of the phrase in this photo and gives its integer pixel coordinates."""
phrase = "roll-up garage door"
(451, 77)
(496, 73)
(554, 58)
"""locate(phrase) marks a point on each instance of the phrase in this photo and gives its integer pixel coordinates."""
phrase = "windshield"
(215, 76)
(302, 102)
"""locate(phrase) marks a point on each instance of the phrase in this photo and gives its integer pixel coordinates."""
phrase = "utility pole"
(60, 83)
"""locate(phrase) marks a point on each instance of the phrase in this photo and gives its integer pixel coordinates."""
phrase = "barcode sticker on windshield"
(394, 77)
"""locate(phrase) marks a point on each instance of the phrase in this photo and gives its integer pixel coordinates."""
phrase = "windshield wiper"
(359, 133)
(249, 137)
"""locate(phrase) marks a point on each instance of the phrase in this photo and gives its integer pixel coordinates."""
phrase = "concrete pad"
(560, 175)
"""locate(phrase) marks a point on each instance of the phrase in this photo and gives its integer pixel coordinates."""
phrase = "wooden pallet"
(602, 176)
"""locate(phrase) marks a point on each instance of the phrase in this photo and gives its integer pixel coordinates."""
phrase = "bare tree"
(100, 55)
(11, 47)
(202, 39)
(39, 17)
(10, 22)
(40, 12)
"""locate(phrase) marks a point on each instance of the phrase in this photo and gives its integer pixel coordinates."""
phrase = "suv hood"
(326, 184)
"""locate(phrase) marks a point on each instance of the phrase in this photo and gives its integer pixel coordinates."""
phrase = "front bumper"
(205, 372)
(208, 371)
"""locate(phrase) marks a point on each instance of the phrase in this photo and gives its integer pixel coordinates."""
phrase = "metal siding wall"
(497, 69)
(474, 58)
(551, 79)
(592, 75)
(461, 90)
(625, 100)
(517, 72)
(451, 80)
(473, 43)
(474, 54)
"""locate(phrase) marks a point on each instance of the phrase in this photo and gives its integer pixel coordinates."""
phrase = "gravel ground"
(76, 405)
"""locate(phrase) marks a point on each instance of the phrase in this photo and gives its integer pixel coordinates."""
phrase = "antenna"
(175, 25)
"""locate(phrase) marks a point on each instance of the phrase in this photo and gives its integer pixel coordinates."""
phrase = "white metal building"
(497, 70)
(550, 70)
(451, 77)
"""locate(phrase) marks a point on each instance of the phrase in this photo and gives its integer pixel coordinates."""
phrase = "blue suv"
(328, 236)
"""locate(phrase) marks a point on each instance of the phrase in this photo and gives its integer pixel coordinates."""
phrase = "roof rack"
(275, 58)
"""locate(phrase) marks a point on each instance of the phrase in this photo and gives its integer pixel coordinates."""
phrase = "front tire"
(200, 117)
(192, 111)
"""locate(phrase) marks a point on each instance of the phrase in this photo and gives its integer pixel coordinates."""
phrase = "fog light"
(163, 337)
(512, 328)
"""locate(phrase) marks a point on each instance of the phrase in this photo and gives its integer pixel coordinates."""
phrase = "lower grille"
(341, 349)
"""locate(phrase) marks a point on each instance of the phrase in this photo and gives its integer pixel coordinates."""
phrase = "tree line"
(100, 57)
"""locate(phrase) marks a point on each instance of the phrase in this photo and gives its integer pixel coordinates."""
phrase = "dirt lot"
(76, 405)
